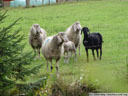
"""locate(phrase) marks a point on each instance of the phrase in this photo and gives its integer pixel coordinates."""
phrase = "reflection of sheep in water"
(52, 48)
(36, 37)
(69, 47)
(74, 34)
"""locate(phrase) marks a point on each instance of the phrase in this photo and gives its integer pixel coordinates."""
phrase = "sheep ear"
(34, 25)
(75, 27)
(38, 25)
(80, 27)
(32, 28)
(59, 34)
(59, 39)
(87, 29)
(55, 38)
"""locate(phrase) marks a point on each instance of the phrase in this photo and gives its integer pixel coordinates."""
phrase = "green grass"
(109, 17)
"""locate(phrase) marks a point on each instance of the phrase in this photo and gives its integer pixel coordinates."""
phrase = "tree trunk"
(27, 3)
(57, 1)
(49, 2)
(42, 2)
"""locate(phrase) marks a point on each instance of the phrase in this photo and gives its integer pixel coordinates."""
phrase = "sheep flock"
(63, 43)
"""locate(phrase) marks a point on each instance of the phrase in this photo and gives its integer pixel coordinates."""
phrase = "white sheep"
(69, 47)
(52, 48)
(37, 36)
(74, 34)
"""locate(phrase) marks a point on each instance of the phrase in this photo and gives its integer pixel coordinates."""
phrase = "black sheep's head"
(85, 30)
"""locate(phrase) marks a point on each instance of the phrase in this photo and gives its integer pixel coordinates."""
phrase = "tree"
(49, 2)
(2, 3)
(42, 2)
(27, 3)
(13, 59)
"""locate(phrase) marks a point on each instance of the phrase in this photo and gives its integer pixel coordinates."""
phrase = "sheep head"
(85, 30)
(63, 36)
(35, 30)
(77, 27)
(60, 38)
(66, 46)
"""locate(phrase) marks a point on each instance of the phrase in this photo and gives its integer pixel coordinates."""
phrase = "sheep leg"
(35, 53)
(64, 57)
(97, 53)
(34, 49)
(79, 50)
(100, 53)
(75, 55)
(93, 54)
(57, 64)
(71, 53)
(51, 65)
(87, 55)
(47, 65)
(38, 50)
(67, 57)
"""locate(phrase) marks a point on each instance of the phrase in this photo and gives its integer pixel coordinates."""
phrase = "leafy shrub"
(13, 60)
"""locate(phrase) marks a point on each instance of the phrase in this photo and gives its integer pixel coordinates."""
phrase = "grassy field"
(109, 17)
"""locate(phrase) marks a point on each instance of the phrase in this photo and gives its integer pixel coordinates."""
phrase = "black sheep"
(92, 41)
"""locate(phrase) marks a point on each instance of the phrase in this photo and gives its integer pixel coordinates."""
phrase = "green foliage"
(76, 88)
(13, 60)
(30, 89)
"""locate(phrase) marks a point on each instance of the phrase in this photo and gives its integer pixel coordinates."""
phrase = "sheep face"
(63, 36)
(77, 27)
(58, 40)
(36, 30)
(85, 31)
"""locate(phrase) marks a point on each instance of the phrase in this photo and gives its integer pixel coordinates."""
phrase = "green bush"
(13, 60)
